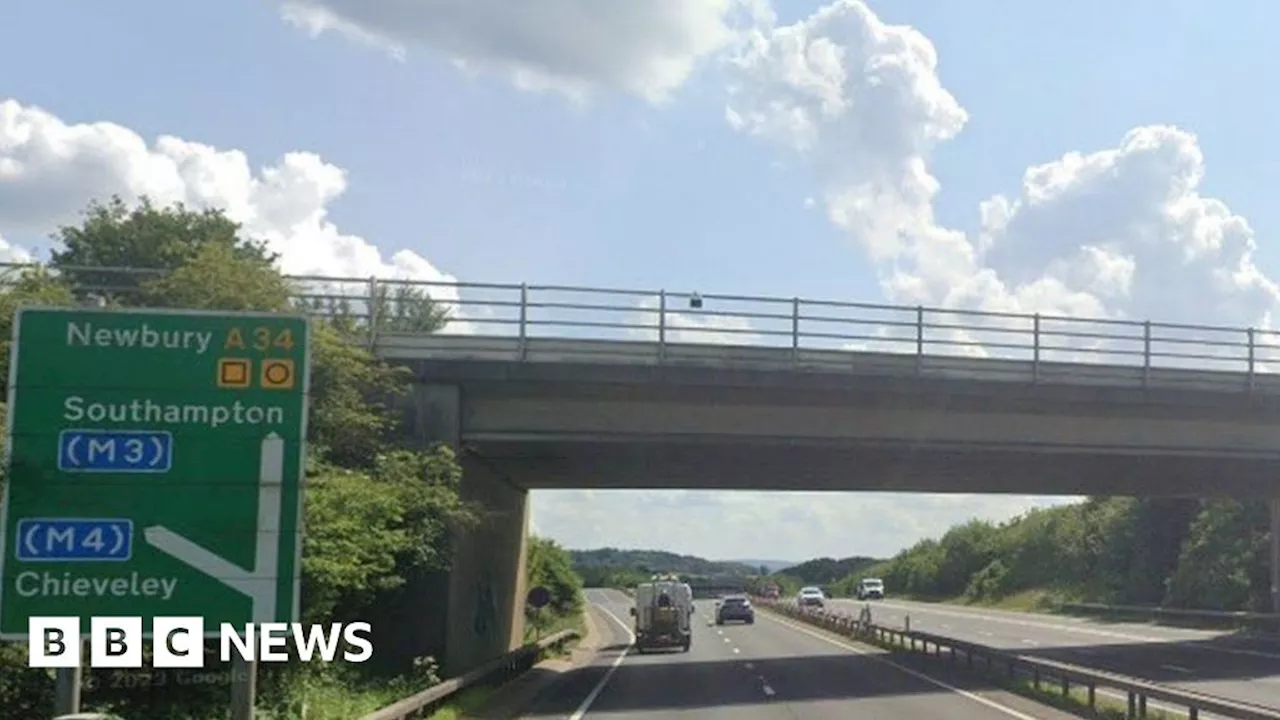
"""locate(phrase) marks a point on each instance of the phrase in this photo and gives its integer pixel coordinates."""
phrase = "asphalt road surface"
(771, 670)
(1230, 665)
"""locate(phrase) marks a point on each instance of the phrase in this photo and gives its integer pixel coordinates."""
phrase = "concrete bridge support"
(479, 610)
(1275, 555)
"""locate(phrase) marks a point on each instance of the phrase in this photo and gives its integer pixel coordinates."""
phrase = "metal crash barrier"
(495, 672)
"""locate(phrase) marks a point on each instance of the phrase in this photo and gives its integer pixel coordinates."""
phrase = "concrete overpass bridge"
(554, 387)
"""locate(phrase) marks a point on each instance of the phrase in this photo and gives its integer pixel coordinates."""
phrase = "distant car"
(735, 607)
(870, 588)
(811, 597)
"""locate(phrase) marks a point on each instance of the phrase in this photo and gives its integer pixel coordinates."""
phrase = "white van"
(870, 588)
(663, 611)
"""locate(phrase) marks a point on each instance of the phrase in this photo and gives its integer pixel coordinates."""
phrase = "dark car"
(735, 607)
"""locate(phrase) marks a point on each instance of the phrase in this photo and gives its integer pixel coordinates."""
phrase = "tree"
(550, 566)
(27, 286)
(216, 277)
(142, 238)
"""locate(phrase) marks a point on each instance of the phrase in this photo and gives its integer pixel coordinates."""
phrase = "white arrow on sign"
(260, 583)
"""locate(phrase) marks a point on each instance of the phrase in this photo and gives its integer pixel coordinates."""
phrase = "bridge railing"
(527, 312)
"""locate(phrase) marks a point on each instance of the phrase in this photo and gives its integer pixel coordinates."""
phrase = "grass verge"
(468, 704)
(471, 703)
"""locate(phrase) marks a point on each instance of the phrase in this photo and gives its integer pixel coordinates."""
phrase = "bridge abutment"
(475, 612)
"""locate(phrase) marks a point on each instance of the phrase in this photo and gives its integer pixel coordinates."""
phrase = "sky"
(1086, 159)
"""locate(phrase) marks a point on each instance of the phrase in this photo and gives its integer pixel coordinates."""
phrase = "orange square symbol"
(234, 373)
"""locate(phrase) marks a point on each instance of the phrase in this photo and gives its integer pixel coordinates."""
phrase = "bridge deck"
(404, 346)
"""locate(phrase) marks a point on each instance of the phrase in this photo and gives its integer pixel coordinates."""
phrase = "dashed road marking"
(914, 673)
(1176, 668)
(599, 688)
(736, 651)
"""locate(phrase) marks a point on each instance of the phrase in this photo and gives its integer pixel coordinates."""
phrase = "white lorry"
(663, 612)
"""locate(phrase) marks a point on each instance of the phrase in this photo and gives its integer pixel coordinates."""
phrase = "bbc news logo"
(178, 642)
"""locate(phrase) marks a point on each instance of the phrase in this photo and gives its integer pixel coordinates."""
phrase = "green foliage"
(216, 277)
(822, 571)
(1178, 552)
(550, 566)
(28, 286)
(365, 527)
(143, 237)
(1223, 564)
(350, 389)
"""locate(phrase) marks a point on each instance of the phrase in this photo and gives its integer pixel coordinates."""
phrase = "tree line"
(376, 510)
(1203, 554)
(1210, 554)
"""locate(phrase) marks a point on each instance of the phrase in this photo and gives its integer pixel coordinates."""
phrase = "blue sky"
(485, 180)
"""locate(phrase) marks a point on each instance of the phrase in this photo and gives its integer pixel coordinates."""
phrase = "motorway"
(771, 670)
(1230, 665)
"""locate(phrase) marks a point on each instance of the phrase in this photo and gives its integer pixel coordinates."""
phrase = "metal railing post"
(1035, 348)
(1146, 352)
(919, 339)
(374, 309)
(662, 325)
(795, 330)
(524, 321)
(1251, 357)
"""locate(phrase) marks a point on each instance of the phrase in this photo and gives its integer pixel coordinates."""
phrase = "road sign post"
(154, 465)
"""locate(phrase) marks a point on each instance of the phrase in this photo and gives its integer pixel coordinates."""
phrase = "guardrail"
(494, 672)
(1139, 693)
(1269, 622)
(795, 327)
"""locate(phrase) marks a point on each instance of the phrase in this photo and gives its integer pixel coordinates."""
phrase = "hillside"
(822, 571)
(652, 561)
(770, 566)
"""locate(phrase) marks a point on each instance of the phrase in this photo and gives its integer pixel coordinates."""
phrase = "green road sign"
(154, 466)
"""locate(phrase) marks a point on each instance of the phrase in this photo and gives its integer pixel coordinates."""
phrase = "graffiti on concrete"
(486, 615)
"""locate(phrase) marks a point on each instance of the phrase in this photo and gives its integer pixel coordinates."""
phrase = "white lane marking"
(1029, 641)
(736, 651)
(581, 712)
(768, 691)
(726, 639)
(914, 673)
(1175, 668)
(751, 666)
(1079, 628)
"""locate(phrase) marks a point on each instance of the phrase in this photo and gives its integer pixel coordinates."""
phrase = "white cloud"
(646, 48)
(786, 525)
(50, 169)
(1120, 233)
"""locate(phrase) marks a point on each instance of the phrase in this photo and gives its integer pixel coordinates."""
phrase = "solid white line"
(914, 673)
(1175, 668)
(595, 692)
